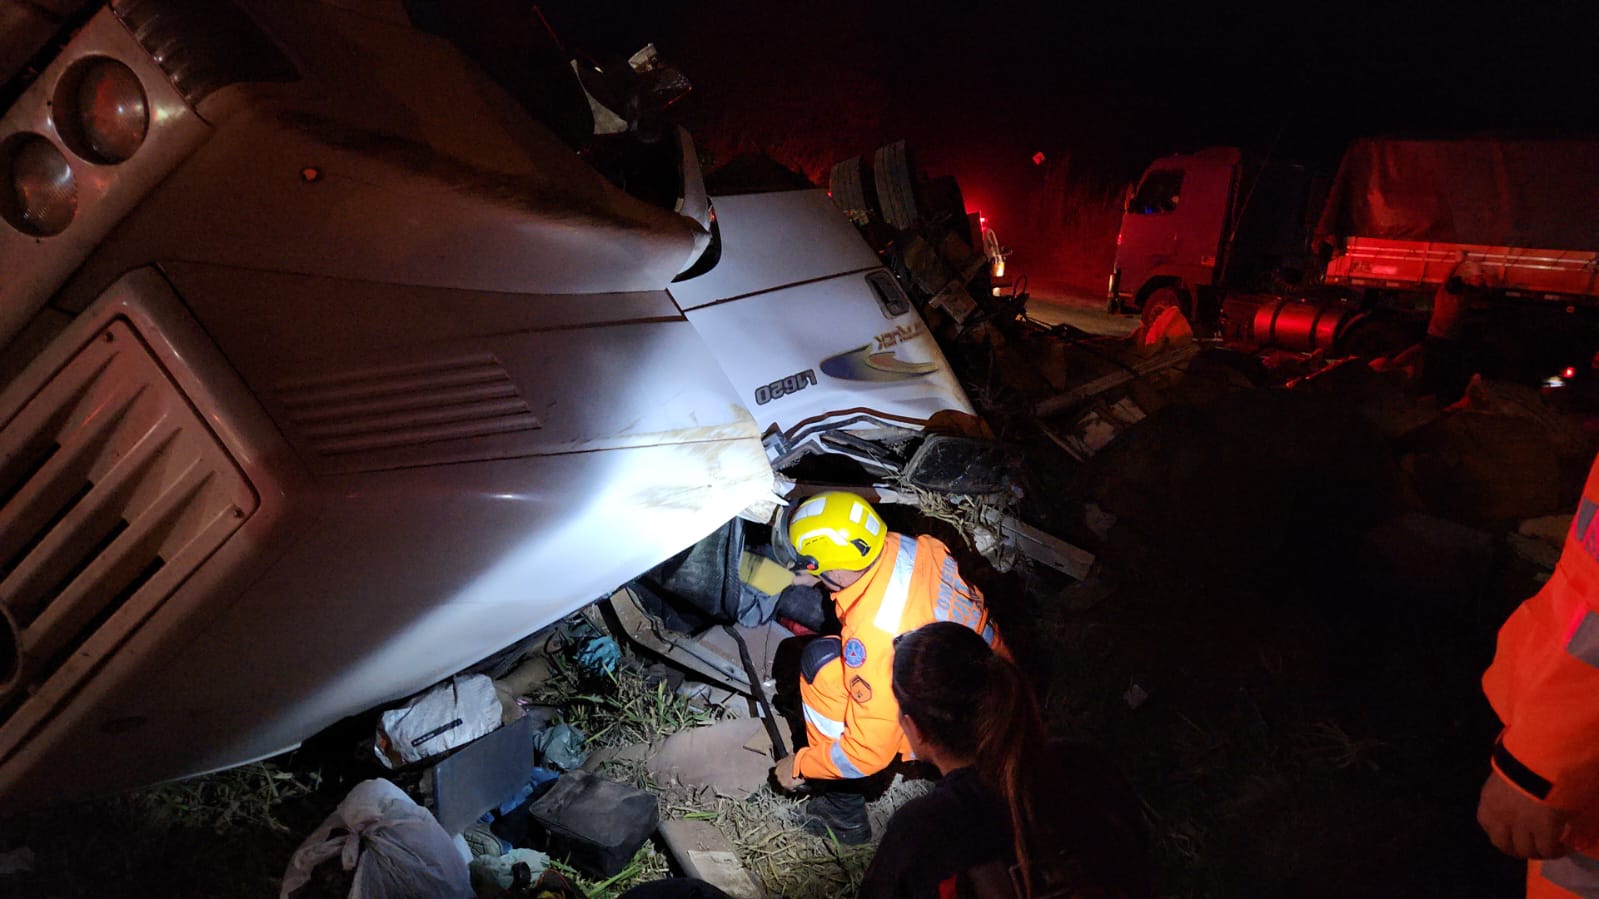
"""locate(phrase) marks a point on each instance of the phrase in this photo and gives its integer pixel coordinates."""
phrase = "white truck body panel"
(343, 590)
(801, 331)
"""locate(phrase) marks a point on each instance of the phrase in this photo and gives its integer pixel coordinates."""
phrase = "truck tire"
(896, 185)
(1160, 298)
(848, 190)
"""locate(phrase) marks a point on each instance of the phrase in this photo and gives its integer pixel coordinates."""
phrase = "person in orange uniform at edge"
(883, 584)
(1541, 800)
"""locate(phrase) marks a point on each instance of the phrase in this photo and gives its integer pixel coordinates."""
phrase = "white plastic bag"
(395, 847)
(455, 712)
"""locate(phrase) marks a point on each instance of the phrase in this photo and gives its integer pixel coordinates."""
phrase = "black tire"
(896, 185)
(846, 187)
(1159, 299)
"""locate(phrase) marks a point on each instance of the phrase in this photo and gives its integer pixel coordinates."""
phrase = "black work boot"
(842, 813)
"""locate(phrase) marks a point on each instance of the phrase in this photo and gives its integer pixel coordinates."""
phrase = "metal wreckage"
(325, 381)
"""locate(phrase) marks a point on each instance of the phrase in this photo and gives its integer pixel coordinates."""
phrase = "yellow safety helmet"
(832, 531)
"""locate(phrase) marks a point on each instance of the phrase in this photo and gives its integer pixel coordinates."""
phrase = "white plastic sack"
(455, 712)
(395, 847)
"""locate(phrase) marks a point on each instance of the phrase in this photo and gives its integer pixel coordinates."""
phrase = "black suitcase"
(596, 825)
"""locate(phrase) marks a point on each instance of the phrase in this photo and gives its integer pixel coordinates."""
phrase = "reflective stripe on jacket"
(1544, 680)
(914, 582)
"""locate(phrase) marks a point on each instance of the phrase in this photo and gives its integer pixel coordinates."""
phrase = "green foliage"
(620, 709)
(234, 801)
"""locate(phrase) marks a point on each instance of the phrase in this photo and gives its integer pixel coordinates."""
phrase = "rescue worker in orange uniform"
(1541, 800)
(883, 585)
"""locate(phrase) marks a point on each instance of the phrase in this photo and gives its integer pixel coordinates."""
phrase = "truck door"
(1173, 224)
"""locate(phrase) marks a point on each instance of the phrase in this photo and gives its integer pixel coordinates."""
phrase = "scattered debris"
(947, 464)
(598, 655)
(732, 757)
(388, 846)
(701, 850)
(499, 870)
(561, 747)
(451, 714)
(646, 630)
(596, 824)
(1100, 424)
(520, 682)
(1041, 547)
(1162, 359)
(480, 776)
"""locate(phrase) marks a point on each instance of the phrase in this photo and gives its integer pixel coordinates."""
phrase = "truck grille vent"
(112, 491)
(409, 405)
(203, 45)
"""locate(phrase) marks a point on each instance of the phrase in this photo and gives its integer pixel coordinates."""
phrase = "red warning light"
(1569, 373)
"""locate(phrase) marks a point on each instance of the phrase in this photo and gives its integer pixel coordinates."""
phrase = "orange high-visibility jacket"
(1544, 680)
(914, 582)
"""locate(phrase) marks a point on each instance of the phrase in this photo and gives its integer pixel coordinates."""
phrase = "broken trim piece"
(642, 628)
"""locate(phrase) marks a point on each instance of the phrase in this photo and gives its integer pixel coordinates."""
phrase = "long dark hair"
(942, 673)
(1077, 827)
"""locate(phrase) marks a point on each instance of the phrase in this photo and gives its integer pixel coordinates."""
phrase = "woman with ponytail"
(1013, 815)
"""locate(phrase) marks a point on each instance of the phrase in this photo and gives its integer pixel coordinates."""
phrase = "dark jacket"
(956, 840)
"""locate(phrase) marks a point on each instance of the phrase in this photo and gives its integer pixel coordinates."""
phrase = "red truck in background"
(1275, 257)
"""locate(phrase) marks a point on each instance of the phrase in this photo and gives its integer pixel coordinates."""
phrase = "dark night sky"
(978, 87)
(1146, 76)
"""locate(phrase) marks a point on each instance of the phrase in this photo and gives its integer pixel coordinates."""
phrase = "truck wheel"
(896, 185)
(1161, 298)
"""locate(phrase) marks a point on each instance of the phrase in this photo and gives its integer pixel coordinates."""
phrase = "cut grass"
(233, 801)
(618, 709)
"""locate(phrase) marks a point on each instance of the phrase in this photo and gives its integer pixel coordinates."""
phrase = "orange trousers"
(824, 702)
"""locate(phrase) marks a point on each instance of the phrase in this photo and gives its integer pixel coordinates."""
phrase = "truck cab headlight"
(40, 194)
(101, 111)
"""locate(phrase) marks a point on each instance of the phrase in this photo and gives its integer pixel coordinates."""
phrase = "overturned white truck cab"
(333, 364)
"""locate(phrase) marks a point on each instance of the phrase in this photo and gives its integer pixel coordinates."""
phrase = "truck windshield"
(1158, 193)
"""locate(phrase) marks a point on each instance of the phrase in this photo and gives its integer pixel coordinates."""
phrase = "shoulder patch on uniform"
(860, 690)
(854, 653)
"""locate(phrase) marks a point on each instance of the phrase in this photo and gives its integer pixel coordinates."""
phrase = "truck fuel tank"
(1290, 323)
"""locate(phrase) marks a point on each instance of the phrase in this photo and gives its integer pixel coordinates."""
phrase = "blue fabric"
(561, 747)
(542, 777)
(598, 655)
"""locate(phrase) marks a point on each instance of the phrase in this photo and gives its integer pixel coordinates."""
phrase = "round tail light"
(39, 195)
(101, 111)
